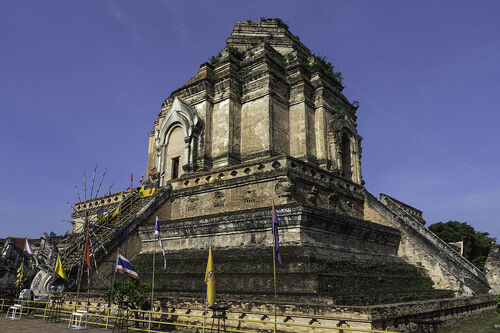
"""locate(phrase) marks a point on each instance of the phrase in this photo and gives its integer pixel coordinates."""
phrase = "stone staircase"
(133, 211)
(472, 280)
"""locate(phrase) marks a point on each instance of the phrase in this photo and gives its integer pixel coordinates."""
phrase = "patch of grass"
(483, 325)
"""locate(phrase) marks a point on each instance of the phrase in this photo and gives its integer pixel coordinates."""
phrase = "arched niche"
(345, 147)
(346, 164)
(178, 141)
(174, 153)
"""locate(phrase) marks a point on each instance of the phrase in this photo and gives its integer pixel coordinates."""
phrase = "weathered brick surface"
(420, 246)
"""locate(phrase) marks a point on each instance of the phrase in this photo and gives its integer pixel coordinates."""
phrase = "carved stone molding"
(192, 203)
(312, 195)
(285, 188)
(250, 195)
(219, 199)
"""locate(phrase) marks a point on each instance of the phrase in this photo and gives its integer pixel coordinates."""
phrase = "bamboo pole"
(93, 180)
(80, 269)
(100, 183)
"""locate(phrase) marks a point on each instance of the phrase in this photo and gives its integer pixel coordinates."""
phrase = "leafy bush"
(131, 294)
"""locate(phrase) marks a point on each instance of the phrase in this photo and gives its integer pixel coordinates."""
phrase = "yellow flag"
(19, 275)
(59, 269)
(210, 278)
(121, 195)
(141, 191)
(117, 210)
(149, 192)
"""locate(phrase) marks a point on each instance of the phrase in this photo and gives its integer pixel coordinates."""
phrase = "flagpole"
(88, 284)
(152, 288)
(274, 267)
(88, 267)
(22, 273)
(80, 268)
(113, 282)
(80, 273)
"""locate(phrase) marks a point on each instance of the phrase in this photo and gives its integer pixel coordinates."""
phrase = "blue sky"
(81, 83)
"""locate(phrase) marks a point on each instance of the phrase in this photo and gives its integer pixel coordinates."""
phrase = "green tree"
(476, 244)
(131, 294)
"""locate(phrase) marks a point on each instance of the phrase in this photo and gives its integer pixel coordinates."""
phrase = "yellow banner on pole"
(117, 210)
(59, 269)
(19, 274)
(210, 278)
(149, 192)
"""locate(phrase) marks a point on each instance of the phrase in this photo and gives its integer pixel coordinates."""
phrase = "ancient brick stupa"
(266, 121)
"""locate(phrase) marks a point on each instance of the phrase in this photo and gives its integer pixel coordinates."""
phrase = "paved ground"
(26, 325)
(37, 325)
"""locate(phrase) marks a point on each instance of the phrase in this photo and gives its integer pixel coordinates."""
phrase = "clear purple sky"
(81, 83)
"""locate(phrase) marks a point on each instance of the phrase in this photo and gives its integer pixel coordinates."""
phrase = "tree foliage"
(131, 294)
(476, 244)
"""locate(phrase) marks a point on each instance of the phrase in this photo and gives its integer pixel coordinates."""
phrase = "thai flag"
(157, 233)
(141, 180)
(124, 266)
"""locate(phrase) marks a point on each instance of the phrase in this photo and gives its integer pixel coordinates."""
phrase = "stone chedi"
(266, 122)
(265, 104)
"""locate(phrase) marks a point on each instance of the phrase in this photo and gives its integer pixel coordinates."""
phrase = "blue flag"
(100, 214)
(65, 236)
(276, 223)
(157, 233)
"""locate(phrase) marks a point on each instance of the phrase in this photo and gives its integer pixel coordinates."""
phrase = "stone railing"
(132, 212)
(464, 271)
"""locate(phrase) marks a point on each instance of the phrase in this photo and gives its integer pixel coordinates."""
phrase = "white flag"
(29, 250)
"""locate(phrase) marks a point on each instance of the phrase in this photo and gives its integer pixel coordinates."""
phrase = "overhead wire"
(426, 141)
